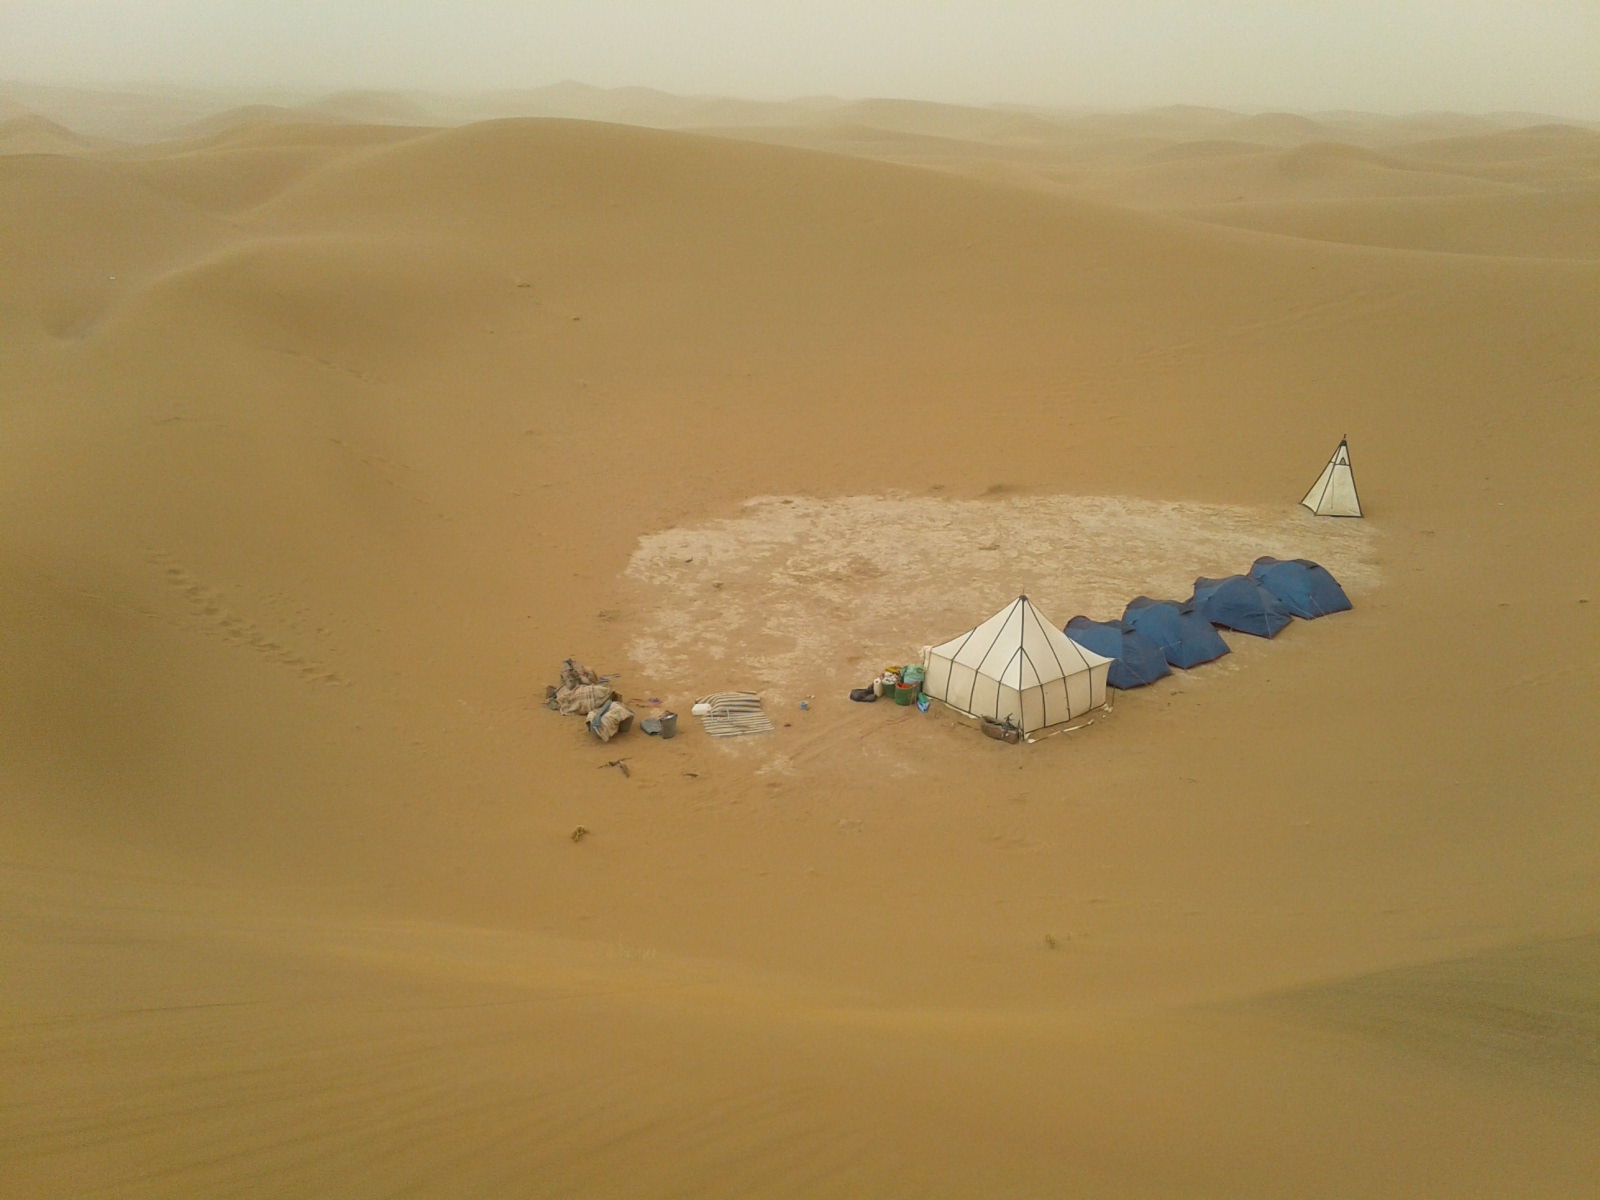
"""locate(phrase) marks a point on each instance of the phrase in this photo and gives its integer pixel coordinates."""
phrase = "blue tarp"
(1301, 586)
(1136, 660)
(1182, 635)
(1239, 602)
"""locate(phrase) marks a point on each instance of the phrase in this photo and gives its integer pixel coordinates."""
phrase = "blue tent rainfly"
(1239, 602)
(1184, 637)
(1301, 586)
(1135, 659)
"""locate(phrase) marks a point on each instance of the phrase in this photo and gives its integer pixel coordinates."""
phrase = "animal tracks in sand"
(211, 615)
(795, 594)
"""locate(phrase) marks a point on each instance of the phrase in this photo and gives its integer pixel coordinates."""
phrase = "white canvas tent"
(1334, 492)
(1018, 665)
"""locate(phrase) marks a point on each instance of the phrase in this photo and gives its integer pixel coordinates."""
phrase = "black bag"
(863, 695)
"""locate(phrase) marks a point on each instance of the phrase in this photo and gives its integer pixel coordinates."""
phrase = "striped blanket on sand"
(733, 714)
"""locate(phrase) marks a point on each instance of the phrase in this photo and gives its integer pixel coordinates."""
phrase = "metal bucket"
(669, 725)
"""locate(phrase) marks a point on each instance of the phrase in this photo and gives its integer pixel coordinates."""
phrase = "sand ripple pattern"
(796, 591)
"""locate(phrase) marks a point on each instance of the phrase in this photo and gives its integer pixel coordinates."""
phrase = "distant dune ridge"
(333, 424)
(263, 114)
(29, 133)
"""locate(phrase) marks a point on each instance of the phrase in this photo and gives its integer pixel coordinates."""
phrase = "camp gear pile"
(584, 694)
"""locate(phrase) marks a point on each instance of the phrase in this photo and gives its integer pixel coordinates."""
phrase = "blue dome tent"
(1184, 637)
(1239, 602)
(1135, 659)
(1303, 587)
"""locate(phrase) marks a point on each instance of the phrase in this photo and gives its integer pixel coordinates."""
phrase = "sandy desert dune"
(324, 443)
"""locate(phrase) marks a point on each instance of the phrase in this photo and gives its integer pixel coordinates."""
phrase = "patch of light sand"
(795, 593)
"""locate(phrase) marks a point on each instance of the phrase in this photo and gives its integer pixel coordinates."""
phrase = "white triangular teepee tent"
(1018, 665)
(1334, 492)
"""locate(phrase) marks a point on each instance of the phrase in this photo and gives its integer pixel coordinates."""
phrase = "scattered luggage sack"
(610, 719)
(574, 673)
(582, 699)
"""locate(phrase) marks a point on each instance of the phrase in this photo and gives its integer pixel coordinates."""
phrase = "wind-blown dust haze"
(1474, 55)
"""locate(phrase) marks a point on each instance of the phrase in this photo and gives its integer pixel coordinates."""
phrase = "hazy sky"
(1394, 55)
